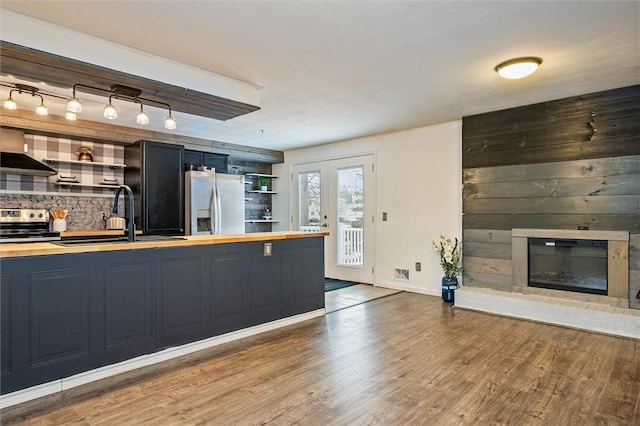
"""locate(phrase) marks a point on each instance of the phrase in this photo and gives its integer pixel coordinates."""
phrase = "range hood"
(14, 161)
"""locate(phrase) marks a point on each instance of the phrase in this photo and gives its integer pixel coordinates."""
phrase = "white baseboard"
(55, 386)
(406, 287)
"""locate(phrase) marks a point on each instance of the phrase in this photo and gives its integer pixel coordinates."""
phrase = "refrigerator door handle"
(212, 211)
(216, 212)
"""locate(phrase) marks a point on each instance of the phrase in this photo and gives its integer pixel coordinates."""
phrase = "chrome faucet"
(131, 232)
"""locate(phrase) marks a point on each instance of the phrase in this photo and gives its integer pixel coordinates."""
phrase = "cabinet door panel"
(226, 292)
(290, 277)
(163, 196)
(128, 295)
(216, 161)
(265, 279)
(59, 315)
(311, 262)
(192, 159)
(5, 318)
(181, 299)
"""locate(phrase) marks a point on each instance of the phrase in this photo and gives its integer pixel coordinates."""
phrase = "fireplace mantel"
(617, 264)
(571, 233)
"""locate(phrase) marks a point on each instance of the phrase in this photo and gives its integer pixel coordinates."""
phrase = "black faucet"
(132, 224)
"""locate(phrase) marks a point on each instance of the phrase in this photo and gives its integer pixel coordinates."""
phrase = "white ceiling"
(335, 70)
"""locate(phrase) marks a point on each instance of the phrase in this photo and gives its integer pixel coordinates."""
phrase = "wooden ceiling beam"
(35, 65)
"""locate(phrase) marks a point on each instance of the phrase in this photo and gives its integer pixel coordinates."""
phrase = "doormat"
(330, 284)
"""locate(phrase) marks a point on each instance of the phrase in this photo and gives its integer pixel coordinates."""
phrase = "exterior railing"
(350, 246)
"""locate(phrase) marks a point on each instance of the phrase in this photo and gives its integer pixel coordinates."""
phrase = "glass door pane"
(350, 214)
(309, 201)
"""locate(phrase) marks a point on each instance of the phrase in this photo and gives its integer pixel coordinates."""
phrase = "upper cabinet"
(155, 174)
(194, 159)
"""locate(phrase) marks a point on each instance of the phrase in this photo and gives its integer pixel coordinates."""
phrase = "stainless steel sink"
(90, 241)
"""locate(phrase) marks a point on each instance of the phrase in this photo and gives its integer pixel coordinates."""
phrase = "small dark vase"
(449, 286)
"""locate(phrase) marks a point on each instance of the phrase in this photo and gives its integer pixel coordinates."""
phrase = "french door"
(336, 196)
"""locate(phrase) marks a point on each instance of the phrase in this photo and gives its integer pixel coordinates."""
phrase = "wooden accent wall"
(561, 164)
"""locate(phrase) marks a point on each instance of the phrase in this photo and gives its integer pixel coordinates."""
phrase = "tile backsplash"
(84, 212)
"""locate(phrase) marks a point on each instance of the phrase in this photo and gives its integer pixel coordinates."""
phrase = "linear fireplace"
(578, 265)
(584, 265)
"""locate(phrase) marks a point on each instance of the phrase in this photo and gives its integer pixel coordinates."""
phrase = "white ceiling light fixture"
(170, 122)
(41, 109)
(142, 117)
(9, 103)
(516, 68)
(73, 104)
(110, 111)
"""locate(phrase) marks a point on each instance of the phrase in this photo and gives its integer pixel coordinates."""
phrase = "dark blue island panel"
(65, 314)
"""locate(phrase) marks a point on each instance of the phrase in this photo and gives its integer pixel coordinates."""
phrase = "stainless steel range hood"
(14, 161)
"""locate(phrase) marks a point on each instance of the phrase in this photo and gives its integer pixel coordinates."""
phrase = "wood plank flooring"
(402, 359)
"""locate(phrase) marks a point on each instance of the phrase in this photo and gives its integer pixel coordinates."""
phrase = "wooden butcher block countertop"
(44, 248)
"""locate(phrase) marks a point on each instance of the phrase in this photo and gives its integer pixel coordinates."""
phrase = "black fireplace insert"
(568, 264)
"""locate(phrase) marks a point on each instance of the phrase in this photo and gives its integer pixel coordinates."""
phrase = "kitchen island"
(70, 313)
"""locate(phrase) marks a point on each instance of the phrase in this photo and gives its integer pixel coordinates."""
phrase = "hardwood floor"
(401, 359)
(354, 295)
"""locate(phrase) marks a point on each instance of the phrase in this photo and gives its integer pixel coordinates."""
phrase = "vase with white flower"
(449, 252)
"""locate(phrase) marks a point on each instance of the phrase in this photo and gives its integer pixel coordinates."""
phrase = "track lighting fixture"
(74, 106)
(124, 93)
(10, 103)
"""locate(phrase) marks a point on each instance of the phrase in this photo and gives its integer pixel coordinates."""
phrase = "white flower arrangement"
(449, 253)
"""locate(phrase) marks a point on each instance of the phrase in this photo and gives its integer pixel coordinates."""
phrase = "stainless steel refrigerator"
(214, 203)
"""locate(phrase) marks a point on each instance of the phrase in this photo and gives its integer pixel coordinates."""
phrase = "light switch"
(267, 249)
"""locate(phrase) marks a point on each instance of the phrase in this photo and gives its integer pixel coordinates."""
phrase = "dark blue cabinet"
(5, 324)
(127, 296)
(228, 288)
(155, 174)
(65, 314)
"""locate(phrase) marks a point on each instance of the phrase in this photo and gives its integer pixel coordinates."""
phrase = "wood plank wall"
(561, 164)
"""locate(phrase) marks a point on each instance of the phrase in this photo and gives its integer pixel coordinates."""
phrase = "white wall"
(419, 185)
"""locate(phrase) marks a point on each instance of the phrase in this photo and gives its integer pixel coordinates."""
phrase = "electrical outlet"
(418, 267)
(267, 249)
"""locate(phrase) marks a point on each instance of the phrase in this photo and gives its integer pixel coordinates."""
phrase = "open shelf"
(261, 221)
(84, 163)
(259, 175)
(257, 191)
(86, 185)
